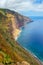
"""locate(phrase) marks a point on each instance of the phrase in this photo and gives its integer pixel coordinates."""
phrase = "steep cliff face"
(11, 53)
(14, 21)
(19, 19)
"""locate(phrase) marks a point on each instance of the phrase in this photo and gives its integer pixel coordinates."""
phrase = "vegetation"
(4, 58)
(10, 50)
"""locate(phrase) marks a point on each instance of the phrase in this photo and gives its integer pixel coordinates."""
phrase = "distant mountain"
(10, 51)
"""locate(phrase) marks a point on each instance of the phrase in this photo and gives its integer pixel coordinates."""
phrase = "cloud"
(2, 3)
(22, 5)
(29, 6)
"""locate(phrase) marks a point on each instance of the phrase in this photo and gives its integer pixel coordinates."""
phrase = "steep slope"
(15, 20)
(10, 50)
(19, 20)
(14, 50)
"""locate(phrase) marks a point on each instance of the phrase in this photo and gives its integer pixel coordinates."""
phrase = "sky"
(24, 7)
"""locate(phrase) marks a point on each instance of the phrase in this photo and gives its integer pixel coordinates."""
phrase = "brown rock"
(18, 63)
(25, 63)
(1, 64)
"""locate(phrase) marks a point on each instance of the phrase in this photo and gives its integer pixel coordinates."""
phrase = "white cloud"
(21, 5)
(2, 3)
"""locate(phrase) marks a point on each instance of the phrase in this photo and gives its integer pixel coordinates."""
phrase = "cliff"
(14, 21)
(10, 50)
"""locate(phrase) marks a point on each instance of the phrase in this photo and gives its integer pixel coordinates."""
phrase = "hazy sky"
(25, 7)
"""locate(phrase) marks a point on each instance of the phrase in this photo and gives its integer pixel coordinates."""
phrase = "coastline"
(31, 54)
(35, 57)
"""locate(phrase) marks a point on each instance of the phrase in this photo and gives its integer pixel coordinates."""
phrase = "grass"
(3, 11)
(5, 57)
(17, 53)
(11, 49)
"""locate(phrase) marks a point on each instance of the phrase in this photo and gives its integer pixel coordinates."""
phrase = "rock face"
(1, 64)
(23, 63)
(11, 53)
(14, 21)
(20, 20)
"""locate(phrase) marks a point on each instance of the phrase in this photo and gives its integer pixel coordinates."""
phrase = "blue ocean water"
(31, 37)
(36, 18)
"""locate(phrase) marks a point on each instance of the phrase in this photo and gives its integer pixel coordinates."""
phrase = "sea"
(31, 37)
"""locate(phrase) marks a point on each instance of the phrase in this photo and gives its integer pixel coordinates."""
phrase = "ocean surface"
(31, 37)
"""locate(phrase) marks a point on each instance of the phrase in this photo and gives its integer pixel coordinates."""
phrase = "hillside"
(11, 53)
(14, 21)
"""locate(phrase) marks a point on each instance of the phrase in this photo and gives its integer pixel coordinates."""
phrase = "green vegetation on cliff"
(10, 50)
